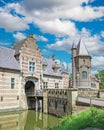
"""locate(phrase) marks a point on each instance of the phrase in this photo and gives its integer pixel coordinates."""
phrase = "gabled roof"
(7, 59)
(81, 49)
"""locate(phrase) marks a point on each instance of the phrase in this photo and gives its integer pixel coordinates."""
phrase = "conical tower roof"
(74, 45)
(81, 49)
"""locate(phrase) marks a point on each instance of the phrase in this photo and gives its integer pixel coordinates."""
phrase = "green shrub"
(91, 117)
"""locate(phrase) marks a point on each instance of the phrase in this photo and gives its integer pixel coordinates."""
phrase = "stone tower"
(81, 66)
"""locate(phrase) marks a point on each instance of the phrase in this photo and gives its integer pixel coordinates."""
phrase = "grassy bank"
(91, 117)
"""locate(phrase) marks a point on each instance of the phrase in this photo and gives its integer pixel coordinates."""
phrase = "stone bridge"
(59, 101)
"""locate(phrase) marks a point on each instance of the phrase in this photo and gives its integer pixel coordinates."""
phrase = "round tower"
(83, 66)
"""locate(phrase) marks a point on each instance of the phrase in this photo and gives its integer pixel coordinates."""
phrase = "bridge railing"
(87, 92)
(35, 93)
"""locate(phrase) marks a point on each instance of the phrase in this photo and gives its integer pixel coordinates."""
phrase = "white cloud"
(57, 27)
(40, 38)
(47, 14)
(49, 10)
(19, 36)
(93, 43)
(12, 23)
(64, 44)
(46, 52)
(6, 44)
(97, 63)
(102, 34)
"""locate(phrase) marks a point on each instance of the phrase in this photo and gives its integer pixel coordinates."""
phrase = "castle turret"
(81, 65)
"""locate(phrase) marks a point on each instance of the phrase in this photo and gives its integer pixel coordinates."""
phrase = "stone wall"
(51, 80)
(59, 101)
(87, 92)
(11, 98)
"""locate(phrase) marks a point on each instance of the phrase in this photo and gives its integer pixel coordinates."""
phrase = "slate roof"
(49, 70)
(73, 45)
(7, 59)
(81, 49)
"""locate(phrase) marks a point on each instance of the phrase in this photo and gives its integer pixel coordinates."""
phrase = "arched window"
(84, 74)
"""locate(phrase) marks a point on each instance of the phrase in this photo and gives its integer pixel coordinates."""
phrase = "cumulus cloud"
(40, 38)
(48, 10)
(64, 44)
(97, 63)
(57, 27)
(50, 16)
(102, 34)
(93, 43)
(19, 36)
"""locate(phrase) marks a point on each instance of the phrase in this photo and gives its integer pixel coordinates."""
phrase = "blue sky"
(56, 24)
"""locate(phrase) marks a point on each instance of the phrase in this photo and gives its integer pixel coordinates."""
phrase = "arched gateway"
(29, 88)
(30, 93)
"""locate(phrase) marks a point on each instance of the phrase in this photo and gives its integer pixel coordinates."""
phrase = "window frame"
(56, 85)
(45, 84)
(12, 83)
(84, 75)
(32, 66)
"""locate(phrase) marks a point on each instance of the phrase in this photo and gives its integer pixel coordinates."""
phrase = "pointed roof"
(74, 45)
(81, 49)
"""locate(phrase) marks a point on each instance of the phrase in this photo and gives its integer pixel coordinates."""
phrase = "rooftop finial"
(31, 35)
(53, 57)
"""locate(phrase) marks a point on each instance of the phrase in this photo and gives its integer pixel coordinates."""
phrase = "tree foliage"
(100, 76)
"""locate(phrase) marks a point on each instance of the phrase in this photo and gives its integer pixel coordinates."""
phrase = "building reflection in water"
(27, 120)
(13, 121)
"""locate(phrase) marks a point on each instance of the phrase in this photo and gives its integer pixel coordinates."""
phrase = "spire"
(82, 50)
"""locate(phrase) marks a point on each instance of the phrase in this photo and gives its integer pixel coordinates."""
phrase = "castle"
(24, 73)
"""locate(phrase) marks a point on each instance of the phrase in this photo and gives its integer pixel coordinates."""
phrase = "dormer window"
(44, 66)
(55, 67)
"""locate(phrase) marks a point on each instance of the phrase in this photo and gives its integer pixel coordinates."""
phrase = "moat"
(27, 120)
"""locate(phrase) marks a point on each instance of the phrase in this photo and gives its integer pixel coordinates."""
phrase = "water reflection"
(27, 120)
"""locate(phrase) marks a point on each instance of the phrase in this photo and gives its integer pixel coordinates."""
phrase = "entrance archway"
(30, 88)
(30, 93)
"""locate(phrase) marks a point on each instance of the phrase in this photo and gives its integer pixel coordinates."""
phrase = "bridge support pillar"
(36, 104)
(72, 97)
(45, 101)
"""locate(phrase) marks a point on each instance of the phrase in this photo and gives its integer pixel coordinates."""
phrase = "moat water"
(27, 120)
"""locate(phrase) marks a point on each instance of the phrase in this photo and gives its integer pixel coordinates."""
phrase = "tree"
(100, 76)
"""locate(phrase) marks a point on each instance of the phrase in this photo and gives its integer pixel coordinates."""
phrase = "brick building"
(24, 73)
